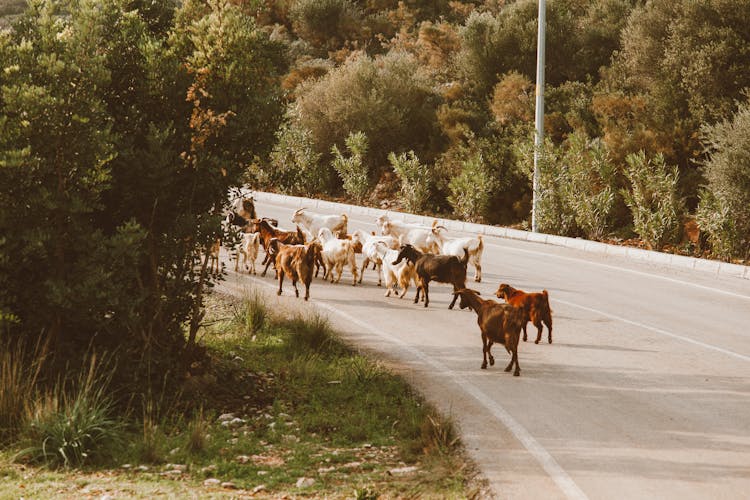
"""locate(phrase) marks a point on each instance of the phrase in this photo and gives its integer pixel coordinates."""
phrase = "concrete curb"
(676, 261)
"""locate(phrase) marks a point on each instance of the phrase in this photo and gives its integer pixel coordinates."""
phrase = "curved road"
(645, 392)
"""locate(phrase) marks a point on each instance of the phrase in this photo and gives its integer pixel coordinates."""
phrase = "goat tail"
(547, 310)
(480, 246)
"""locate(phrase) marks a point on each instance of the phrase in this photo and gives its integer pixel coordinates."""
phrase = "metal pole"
(539, 118)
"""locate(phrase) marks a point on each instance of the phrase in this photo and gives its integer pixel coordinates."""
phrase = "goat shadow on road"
(386, 303)
(599, 347)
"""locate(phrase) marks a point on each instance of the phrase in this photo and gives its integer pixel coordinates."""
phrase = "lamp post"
(539, 116)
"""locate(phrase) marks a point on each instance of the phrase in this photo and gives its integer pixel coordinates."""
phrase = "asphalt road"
(645, 392)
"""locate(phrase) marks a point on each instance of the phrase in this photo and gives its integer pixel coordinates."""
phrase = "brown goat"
(535, 307)
(295, 261)
(268, 232)
(499, 323)
(430, 267)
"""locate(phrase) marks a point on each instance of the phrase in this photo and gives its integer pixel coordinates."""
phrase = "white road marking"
(561, 478)
(658, 330)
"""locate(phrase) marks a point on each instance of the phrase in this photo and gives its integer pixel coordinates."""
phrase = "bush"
(724, 212)
(716, 220)
(295, 166)
(353, 170)
(389, 98)
(653, 199)
(415, 180)
(590, 179)
(553, 213)
(325, 23)
(72, 426)
(472, 190)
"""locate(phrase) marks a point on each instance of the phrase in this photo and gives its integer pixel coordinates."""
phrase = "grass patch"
(282, 407)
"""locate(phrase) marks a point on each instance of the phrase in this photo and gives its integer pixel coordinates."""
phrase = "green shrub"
(415, 180)
(716, 220)
(724, 211)
(295, 165)
(472, 189)
(576, 191)
(554, 214)
(590, 189)
(353, 170)
(390, 98)
(653, 199)
(72, 426)
(325, 23)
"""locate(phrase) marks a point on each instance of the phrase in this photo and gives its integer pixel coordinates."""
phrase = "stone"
(228, 485)
(211, 481)
(403, 470)
(305, 482)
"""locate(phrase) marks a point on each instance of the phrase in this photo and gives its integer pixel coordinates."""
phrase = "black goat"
(430, 267)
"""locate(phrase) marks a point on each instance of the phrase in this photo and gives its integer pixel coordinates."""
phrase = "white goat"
(312, 222)
(248, 250)
(336, 253)
(369, 241)
(401, 274)
(455, 246)
(416, 235)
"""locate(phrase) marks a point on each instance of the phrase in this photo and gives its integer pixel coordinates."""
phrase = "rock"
(177, 467)
(226, 417)
(243, 459)
(262, 472)
(367, 446)
(352, 465)
(126, 466)
(174, 451)
(106, 497)
(403, 470)
(229, 485)
(143, 468)
(258, 489)
(305, 482)
(208, 468)
(211, 481)
(326, 470)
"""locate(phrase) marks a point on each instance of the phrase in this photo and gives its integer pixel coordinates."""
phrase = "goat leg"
(455, 297)
(281, 280)
(549, 331)
(514, 360)
(364, 266)
(426, 291)
(539, 328)
(265, 270)
(307, 289)
(524, 332)
(484, 352)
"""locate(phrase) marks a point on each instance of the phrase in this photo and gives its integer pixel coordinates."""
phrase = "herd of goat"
(402, 253)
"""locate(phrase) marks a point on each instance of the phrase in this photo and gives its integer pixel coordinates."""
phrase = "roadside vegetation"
(280, 406)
